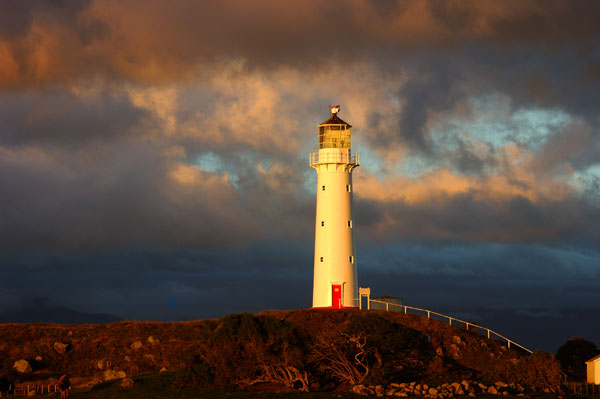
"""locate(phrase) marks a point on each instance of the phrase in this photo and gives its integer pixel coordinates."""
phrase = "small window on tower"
(321, 259)
(350, 223)
(348, 188)
(351, 259)
(322, 223)
(323, 188)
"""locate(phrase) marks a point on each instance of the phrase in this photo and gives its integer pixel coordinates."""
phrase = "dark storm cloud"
(60, 118)
(151, 40)
(158, 284)
(475, 217)
(121, 197)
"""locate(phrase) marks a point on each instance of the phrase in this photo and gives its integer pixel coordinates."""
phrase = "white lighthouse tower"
(335, 284)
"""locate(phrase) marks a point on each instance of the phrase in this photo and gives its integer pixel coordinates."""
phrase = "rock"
(379, 391)
(357, 389)
(439, 351)
(432, 391)
(38, 358)
(402, 394)
(152, 340)
(396, 385)
(492, 390)
(390, 392)
(100, 364)
(126, 383)
(482, 386)
(136, 345)
(61, 348)
(127, 359)
(90, 383)
(472, 394)
(466, 385)
(31, 393)
(113, 375)
(500, 384)
(22, 366)
(162, 370)
(456, 339)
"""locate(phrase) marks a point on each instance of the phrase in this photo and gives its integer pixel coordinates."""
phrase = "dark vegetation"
(572, 356)
(304, 350)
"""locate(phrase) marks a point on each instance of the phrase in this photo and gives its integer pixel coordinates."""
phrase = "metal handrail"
(352, 159)
(450, 319)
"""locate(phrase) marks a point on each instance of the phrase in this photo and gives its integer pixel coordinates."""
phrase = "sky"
(154, 156)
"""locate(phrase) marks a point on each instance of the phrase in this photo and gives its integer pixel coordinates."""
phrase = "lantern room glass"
(334, 136)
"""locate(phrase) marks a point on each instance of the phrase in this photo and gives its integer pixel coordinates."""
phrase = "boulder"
(432, 391)
(492, 390)
(153, 341)
(136, 345)
(358, 389)
(456, 339)
(100, 364)
(114, 374)
(39, 358)
(162, 370)
(379, 390)
(22, 366)
(61, 348)
(126, 383)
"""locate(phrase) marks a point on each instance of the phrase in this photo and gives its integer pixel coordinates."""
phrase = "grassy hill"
(302, 350)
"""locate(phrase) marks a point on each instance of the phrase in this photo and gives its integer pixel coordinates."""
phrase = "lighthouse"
(335, 284)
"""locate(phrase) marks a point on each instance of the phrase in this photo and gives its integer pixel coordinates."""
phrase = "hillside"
(305, 350)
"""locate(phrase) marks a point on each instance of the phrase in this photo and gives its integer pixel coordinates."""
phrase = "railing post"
(488, 330)
(508, 342)
(387, 306)
(450, 320)
(428, 314)
(405, 309)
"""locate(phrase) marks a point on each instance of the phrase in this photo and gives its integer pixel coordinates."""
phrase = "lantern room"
(334, 132)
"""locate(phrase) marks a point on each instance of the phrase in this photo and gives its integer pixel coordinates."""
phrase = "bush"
(245, 350)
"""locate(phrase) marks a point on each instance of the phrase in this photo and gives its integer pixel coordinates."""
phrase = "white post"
(428, 315)
(387, 306)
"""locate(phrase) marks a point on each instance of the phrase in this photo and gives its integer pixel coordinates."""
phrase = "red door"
(336, 296)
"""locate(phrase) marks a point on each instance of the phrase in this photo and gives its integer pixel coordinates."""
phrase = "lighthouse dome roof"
(335, 120)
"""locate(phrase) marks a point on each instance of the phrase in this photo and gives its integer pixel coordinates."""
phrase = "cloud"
(133, 196)
(152, 41)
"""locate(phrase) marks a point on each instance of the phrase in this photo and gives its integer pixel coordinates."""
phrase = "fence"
(584, 389)
(466, 324)
(28, 390)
